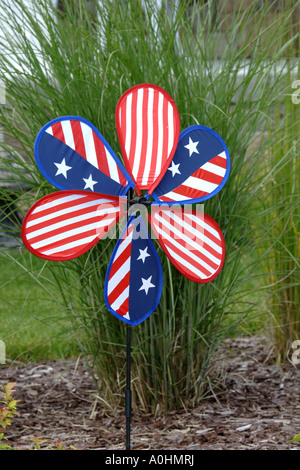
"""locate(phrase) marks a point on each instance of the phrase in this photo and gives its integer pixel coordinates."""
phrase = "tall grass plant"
(225, 71)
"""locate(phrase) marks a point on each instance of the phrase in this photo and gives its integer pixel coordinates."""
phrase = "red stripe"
(60, 218)
(156, 131)
(198, 253)
(65, 205)
(165, 135)
(58, 131)
(101, 155)
(123, 180)
(189, 231)
(209, 221)
(166, 243)
(66, 228)
(120, 261)
(120, 287)
(102, 160)
(144, 118)
(67, 240)
(71, 252)
(194, 225)
(222, 162)
(123, 309)
(184, 244)
(122, 125)
(208, 176)
(133, 118)
(78, 138)
(190, 260)
(191, 274)
(65, 216)
(122, 120)
(151, 175)
(186, 191)
(166, 199)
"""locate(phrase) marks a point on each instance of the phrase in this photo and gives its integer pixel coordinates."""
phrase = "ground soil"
(258, 407)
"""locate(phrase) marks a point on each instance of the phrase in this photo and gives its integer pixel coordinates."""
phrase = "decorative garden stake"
(97, 191)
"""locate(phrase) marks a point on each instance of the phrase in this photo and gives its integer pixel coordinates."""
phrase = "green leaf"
(295, 438)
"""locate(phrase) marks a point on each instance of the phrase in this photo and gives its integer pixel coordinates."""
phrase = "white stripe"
(176, 196)
(223, 155)
(112, 166)
(120, 120)
(121, 299)
(123, 245)
(73, 220)
(197, 234)
(198, 183)
(71, 233)
(217, 170)
(139, 132)
(205, 225)
(170, 128)
(127, 316)
(56, 202)
(150, 137)
(49, 130)
(118, 276)
(89, 144)
(128, 123)
(68, 133)
(160, 134)
(195, 245)
(82, 241)
(186, 264)
(190, 254)
(53, 215)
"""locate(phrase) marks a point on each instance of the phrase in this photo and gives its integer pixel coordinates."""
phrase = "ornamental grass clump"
(224, 70)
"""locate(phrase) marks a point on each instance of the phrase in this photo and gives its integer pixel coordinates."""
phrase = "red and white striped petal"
(65, 224)
(192, 241)
(148, 127)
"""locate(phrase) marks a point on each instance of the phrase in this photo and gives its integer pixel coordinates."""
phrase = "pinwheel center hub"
(140, 200)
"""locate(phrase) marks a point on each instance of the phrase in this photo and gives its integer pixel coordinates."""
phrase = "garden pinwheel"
(166, 168)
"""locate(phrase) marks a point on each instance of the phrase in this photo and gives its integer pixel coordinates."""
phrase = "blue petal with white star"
(199, 169)
(134, 277)
(146, 275)
(66, 169)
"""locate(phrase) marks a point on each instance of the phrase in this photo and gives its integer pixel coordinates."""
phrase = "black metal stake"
(128, 358)
(128, 390)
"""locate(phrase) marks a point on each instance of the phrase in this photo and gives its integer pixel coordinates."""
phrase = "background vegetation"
(229, 70)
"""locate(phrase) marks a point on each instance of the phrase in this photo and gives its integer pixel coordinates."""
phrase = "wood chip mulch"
(258, 408)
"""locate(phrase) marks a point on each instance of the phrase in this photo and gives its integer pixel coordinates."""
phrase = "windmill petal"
(199, 169)
(192, 241)
(134, 277)
(72, 154)
(65, 224)
(148, 127)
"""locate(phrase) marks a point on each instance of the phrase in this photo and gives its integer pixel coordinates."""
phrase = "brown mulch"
(258, 408)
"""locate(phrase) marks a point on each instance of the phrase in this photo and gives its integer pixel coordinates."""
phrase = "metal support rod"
(128, 361)
(128, 389)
